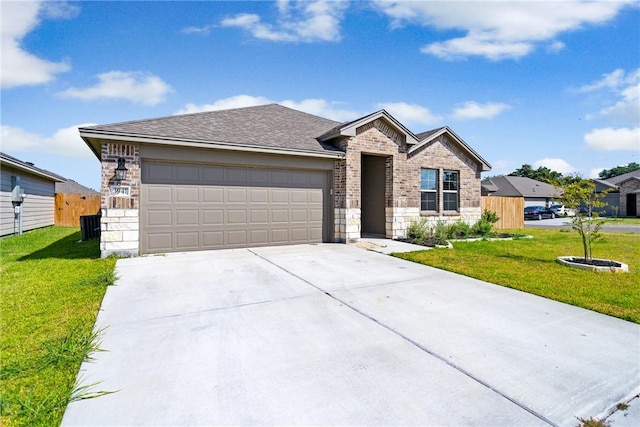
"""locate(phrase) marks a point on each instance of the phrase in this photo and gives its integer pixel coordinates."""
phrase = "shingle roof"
(270, 126)
(621, 178)
(518, 186)
(72, 187)
(30, 167)
(425, 135)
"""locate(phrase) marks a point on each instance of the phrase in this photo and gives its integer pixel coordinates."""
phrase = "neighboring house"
(69, 186)
(271, 175)
(535, 193)
(38, 186)
(623, 198)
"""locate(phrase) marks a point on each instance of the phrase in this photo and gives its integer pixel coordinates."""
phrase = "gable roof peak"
(349, 128)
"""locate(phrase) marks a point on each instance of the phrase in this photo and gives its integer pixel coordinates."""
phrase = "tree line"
(549, 176)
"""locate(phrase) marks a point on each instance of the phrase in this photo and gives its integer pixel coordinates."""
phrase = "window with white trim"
(450, 189)
(428, 190)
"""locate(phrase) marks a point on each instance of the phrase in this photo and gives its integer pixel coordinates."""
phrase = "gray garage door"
(186, 207)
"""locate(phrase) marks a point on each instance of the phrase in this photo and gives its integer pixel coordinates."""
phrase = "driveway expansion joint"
(416, 344)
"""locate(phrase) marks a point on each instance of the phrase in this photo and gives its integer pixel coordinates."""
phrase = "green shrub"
(417, 231)
(482, 228)
(439, 231)
(458, 230)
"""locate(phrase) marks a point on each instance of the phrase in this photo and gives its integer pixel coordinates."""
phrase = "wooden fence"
(509, 209)
(69, 207)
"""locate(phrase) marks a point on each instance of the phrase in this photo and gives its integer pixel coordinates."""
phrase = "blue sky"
(551, 84)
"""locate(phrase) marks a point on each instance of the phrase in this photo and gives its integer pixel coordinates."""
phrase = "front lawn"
(529, 265)
(51, 287)
(623, 221)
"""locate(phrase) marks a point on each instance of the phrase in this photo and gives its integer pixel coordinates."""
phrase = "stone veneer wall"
(120, 223)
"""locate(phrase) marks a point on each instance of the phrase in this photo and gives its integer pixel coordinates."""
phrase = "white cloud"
(624, 108)
(304, 21)
(498, 30)
(237, 101)
(18, 19)
(558, 165)
(137, 87)
(319, 107)
(621, 91)
(322, 108)
(475, 110)
(594, 173)
(612, 139)
(627, 109)
(197, 30)
(410, 113)
(611, 80)
(64, 142)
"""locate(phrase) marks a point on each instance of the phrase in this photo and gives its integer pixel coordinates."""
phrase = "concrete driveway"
(332, 334)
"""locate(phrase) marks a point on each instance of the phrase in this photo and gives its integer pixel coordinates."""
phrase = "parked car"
(538, 212)
(560, 210)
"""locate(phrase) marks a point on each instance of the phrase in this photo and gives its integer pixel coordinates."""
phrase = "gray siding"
(38, 206)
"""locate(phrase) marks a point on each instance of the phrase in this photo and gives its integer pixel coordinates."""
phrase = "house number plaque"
(120, 190)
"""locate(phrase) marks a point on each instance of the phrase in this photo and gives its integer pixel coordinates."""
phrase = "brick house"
(623, 197)
(271, 175)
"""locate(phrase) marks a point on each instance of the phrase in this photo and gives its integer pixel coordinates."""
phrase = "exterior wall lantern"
(121, 170)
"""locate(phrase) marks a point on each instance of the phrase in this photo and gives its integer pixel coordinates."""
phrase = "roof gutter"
(30, 170)
(86, 133)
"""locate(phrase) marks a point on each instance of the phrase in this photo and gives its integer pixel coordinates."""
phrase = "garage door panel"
(159, 194)
(187, 194)
(159, 242)
(213, 239)
(280, 236)
(237, 238)
(236, 216)
(187, 240)
(299, 215)
(279, 196)
(279, 216)
(259, 195)
(213, 217)
(259, 237)
(191, 207)
(315, 234)
(315, 197)
(315, 215)
(299, 235)
(187, 217)
(259, 216)
(212, 195)
(299, 196)
(236, 195)
(162, 218)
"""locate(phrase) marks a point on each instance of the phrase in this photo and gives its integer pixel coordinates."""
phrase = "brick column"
(120, 222)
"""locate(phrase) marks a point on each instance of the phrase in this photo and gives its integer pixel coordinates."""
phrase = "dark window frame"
(450, 190)
(429, 190)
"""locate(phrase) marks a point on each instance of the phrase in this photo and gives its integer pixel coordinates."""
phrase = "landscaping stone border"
(567, 261)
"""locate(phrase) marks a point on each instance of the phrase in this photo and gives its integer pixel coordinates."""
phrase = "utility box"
(90, 226)
(17, 197)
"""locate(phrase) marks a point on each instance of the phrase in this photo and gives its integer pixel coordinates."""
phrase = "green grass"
(623, 221)
(529, 265)
(51, 287)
